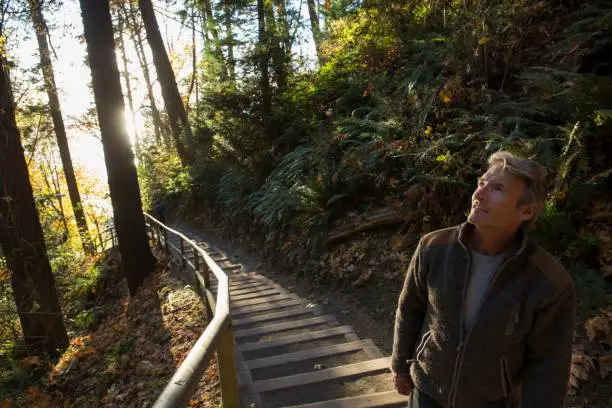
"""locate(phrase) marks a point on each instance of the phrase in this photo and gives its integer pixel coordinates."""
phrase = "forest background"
(327, 134)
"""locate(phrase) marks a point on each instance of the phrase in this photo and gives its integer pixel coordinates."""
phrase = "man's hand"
(403, 383)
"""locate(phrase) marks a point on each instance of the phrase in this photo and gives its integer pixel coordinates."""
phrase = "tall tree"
(274, 46)
(21, 237)
(193, 83)
(160, 128)
(314, 25)
(58, 123)
(211, 26)
(264, 57)
(126, 76)
(283, 28)
(172, 98)
(138, 262)
(229, 40)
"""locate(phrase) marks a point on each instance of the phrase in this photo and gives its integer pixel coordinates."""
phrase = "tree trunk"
(21, 237)
(231, 60)
(264, 82)
(212, 27)
(158, 125)
(314, 26)
(283, 23)
(137, 260)
(126, 75)
(167, 80)
(58, 124)
(194, 67)
(275, 50)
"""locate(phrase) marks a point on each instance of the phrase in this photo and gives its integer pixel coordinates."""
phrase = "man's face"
(495, 201)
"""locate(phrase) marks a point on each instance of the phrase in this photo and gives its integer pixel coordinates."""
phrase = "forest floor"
(129, 356)
(365, 294)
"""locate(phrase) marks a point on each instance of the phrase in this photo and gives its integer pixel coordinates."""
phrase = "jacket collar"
(525, 240)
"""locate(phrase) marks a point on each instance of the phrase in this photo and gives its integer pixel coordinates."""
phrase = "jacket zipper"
(452, 391)
(452, 396)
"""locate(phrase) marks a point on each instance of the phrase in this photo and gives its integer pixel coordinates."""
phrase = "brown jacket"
(517, 352)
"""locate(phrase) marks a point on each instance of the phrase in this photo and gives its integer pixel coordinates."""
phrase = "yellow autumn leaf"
(428, 130)
(483, 40)
(445, 96)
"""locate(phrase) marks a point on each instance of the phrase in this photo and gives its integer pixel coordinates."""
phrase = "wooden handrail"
(217, 336)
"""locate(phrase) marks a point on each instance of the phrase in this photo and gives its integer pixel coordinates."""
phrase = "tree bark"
(193, 83)
(172, 99)
(126, 75)
(212, 27)
(231, 60)
(161, 132)
(137, 260)
(264, 82)
(58, 124)
(283, 23)
(274, 47)
(21, 237)
(314, 26)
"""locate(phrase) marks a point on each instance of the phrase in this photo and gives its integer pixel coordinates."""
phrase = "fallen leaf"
(605, 366)
(599, 328)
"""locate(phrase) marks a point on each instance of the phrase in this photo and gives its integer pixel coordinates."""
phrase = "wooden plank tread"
(255, 295)
(252, 302)
(266, 307)
(379, 399)
(296, 338)
(256, 289)
(302, 355)
(334, 373)
(280, 327)
(266, 317)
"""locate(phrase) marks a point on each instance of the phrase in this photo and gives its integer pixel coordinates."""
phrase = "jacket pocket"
(422, 345)
(514, 319)
(505, 377)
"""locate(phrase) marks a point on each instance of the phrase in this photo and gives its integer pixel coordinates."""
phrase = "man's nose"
(479, 193)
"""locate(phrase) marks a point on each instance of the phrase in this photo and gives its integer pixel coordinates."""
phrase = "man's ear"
(527, 212)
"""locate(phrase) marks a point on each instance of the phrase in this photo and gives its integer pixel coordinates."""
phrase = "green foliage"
(590, 290)
(414, 95)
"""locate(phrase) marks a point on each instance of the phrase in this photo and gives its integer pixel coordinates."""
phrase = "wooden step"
(235, 284)
(287, 358)
(253, 302)
(261, 287)
(281, 327)
(379, 399)
(295, 339)
(267, 317)
(267, 307)
(296, 380)
(255, 295)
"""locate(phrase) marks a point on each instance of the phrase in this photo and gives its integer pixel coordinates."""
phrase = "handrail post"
(196, 260)
(157, 232)
(206, 271)
(228, 374)
(182, 253)
(166, 241)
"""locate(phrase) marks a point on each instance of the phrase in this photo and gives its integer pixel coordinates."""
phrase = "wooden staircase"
(290, 354)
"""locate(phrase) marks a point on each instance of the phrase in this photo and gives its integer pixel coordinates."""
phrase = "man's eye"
(497, 187)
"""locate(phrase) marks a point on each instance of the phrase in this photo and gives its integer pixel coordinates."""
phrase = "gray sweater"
(482, 271)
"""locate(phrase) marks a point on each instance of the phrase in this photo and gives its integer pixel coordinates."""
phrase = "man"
(485, 318)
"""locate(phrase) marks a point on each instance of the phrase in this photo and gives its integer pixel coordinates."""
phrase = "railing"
(106, 236)
(217, 336)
